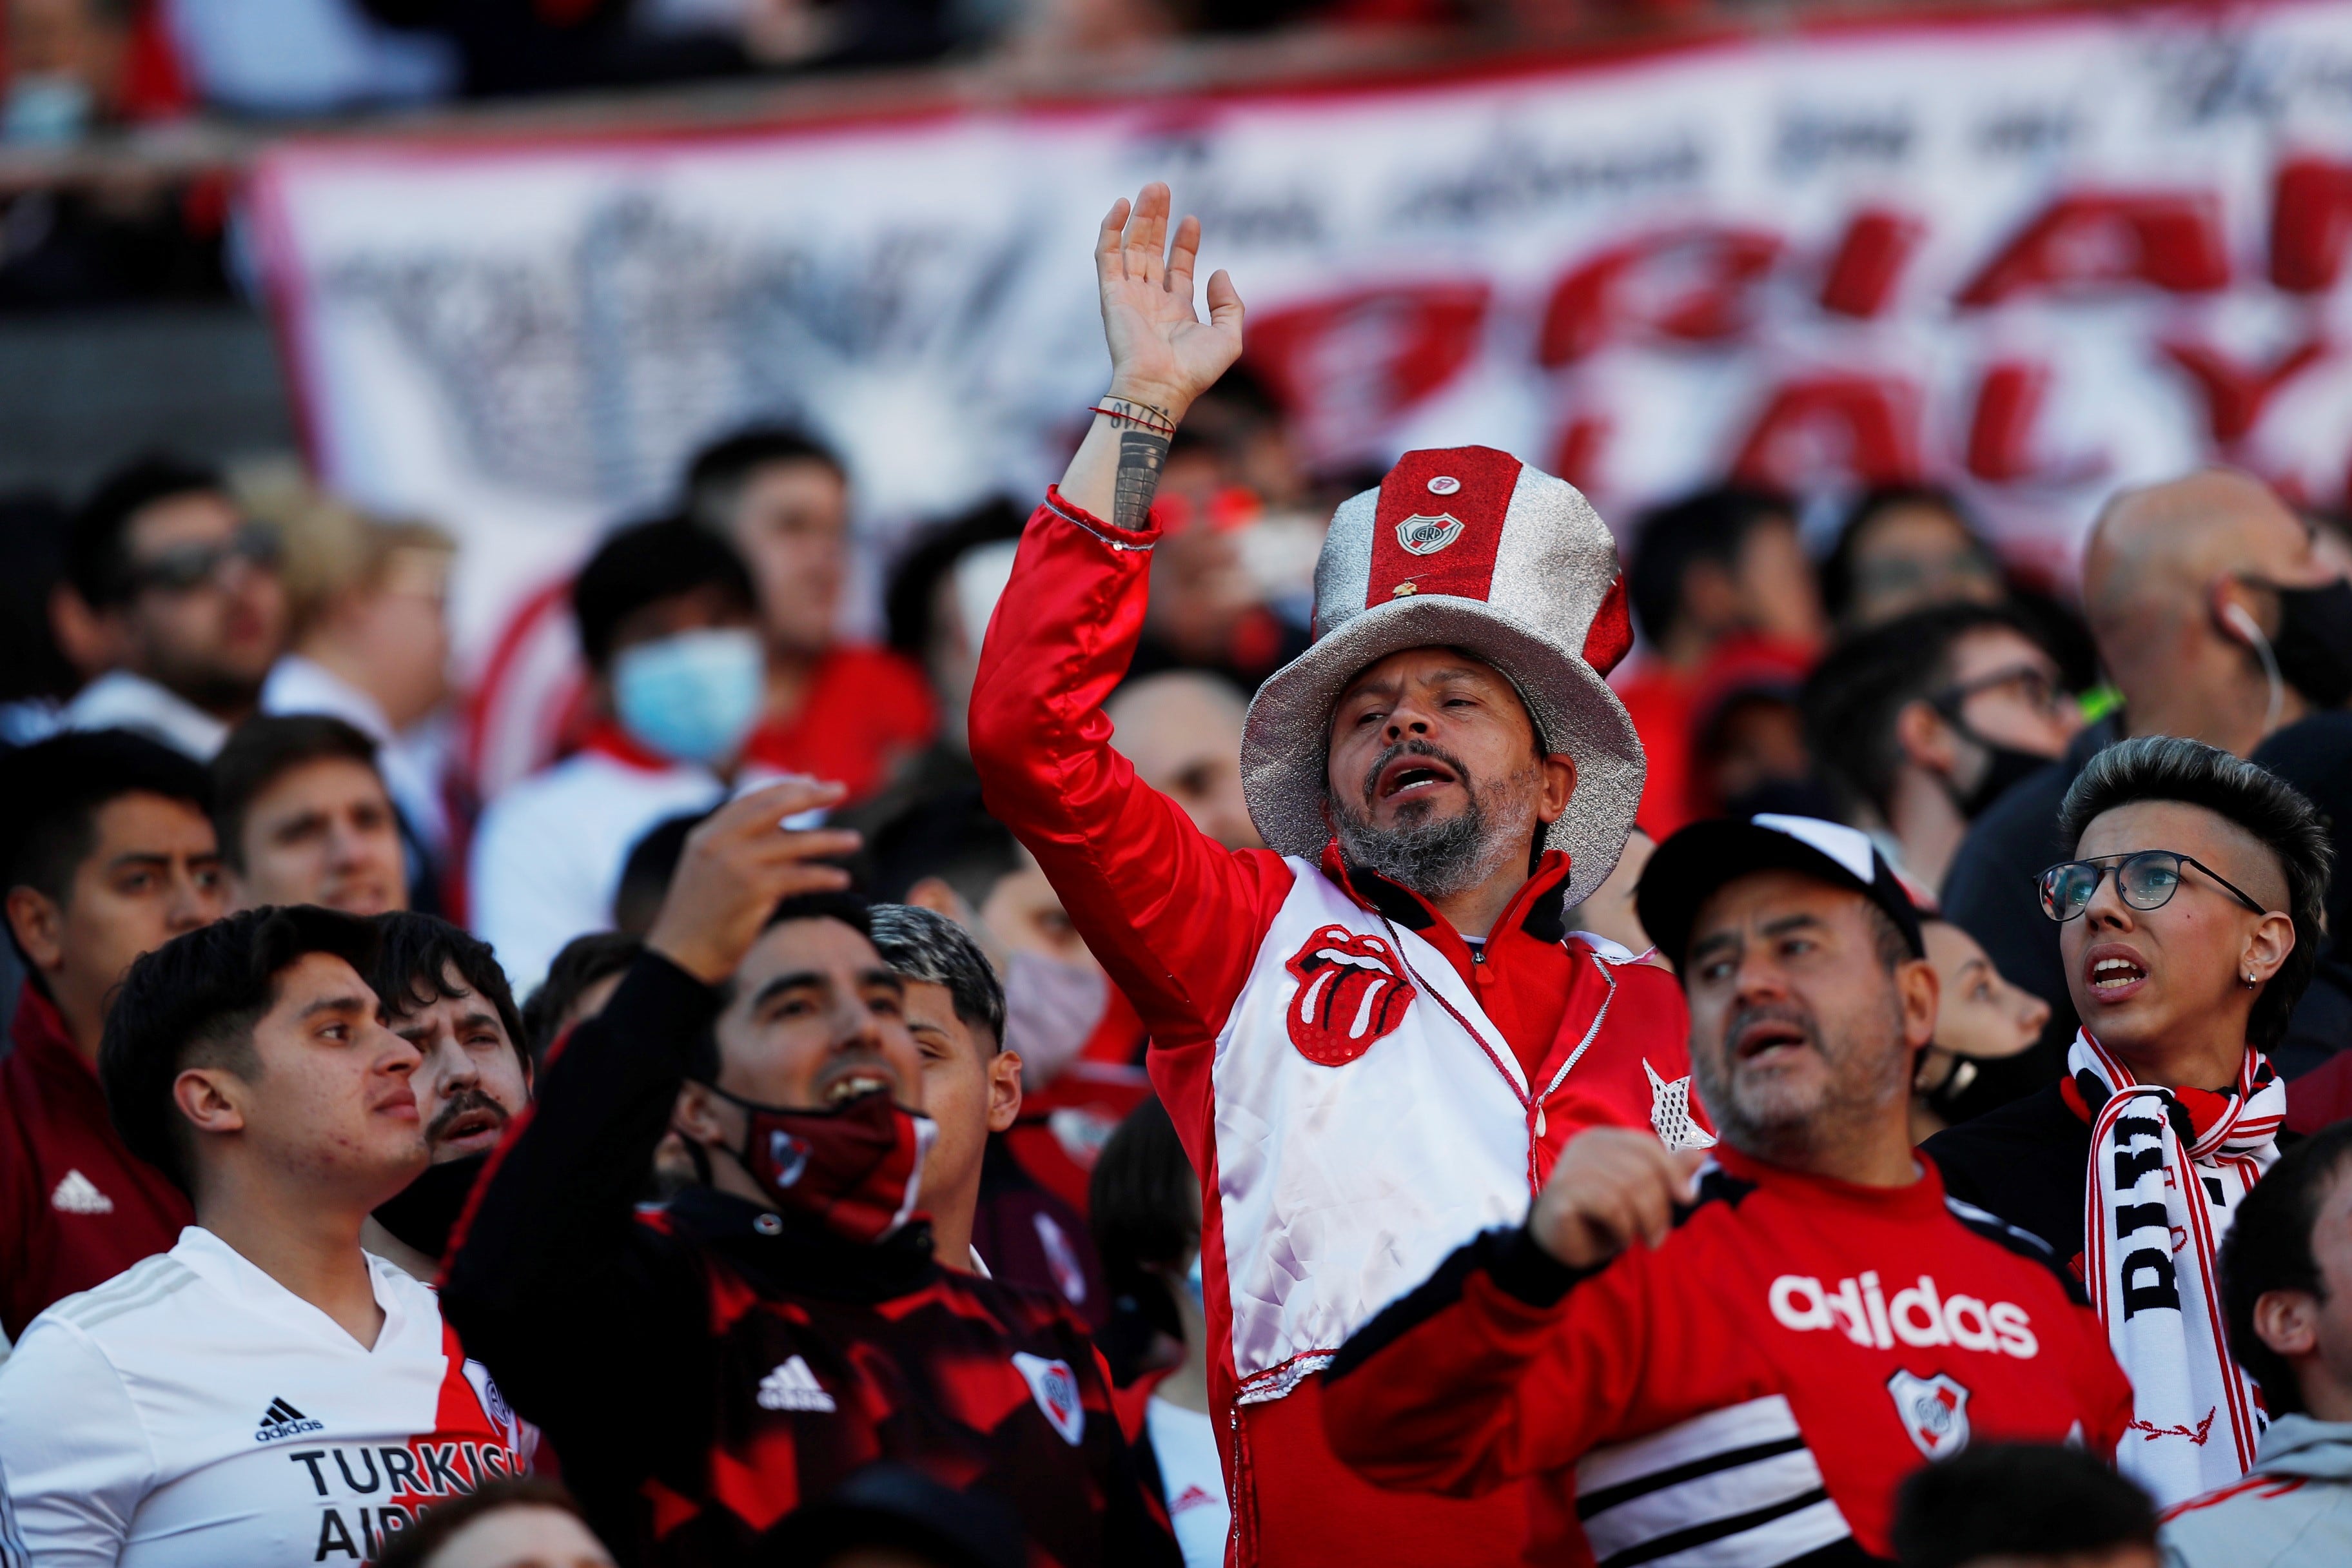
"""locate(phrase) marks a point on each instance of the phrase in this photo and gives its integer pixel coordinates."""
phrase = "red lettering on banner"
(1692, 284)
(2236, 393)
(1363, 358)
(1869, 262)
(2172, 241)
(1863, 425)
(2311, 225)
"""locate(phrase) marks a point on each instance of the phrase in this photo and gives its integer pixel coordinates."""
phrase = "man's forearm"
(1116, 472)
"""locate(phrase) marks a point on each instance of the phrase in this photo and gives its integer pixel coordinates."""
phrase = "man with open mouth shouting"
(1374, 1037)
(2189, 923)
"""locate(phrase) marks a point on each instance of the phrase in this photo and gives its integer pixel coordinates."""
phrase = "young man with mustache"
(1738, 1361)
(2189, 921)
(708, 1368)
(1374, 1037)
(443, 992)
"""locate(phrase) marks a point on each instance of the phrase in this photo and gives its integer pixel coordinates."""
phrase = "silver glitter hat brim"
(1287, 740)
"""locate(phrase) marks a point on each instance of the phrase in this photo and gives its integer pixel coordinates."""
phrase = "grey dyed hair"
(923, 945)
(2168, 767)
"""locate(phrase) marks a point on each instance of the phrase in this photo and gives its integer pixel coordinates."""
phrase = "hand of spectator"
(737, 866)
(1613, 1186)
(1161, 353)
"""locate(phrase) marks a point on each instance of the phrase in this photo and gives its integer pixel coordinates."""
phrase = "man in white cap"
(1374, 1037)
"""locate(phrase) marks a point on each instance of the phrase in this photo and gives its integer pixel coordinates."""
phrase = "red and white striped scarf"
(2168, 1168)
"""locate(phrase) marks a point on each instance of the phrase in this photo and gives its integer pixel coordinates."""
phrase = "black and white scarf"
(2168, 1168)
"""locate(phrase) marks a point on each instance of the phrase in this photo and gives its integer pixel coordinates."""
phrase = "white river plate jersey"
(191, 1412)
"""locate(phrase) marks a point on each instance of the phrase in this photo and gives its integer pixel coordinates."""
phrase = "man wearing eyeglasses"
(2188, 922)
(1931, 717)
(176, 599)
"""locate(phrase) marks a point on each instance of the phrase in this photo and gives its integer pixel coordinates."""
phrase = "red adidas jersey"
(1762, 1381)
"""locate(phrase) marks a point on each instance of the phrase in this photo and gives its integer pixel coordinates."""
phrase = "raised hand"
(1611, 1188)
(1161, 353)
(740, 863)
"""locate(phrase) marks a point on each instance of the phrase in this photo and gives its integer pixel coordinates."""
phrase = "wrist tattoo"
(1148, 415)
(1140, 454)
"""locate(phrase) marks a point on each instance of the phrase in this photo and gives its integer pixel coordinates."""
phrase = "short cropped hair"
(98, 546)
(714, 480)
(193, 1001)
(2269, 1248)
(415, 1546)
(1850, 700)
(644, 564)
(951, 837)
(925, 946)
(51, 794)
(1711, 526)
(263, 750)
(1837, 566)
(2016, 1499)
(2168, 767)
(414, 954)
(583, 960)
(850, 908)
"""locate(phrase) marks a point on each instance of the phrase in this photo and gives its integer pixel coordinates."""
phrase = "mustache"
(1797, 1018)
(464, 1102)
(1415, 747)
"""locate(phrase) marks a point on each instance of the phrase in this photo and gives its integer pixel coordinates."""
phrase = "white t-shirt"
(1184, 1443)
(192, 1412)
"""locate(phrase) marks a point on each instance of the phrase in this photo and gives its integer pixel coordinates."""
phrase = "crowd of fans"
(1006, 1096)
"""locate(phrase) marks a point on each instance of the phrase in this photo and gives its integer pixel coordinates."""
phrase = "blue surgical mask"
(692, 697)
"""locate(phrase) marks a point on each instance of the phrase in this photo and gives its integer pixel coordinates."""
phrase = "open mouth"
(850, 1085)
(1767, 1041)
(1411, 778)
(2113, 973)
(472, 1125)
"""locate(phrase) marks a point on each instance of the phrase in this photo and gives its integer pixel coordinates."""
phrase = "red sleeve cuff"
(1118, 538)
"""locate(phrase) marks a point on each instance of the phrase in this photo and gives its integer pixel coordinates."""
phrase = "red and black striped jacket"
(705, 1368)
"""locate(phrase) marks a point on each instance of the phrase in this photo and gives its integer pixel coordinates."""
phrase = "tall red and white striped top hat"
(1466, 548)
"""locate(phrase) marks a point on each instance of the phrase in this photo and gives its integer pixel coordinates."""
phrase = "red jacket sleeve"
(1505, 1363)
(1174, 916)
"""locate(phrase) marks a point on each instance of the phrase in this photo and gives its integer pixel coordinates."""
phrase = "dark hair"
(193, 1001)
(1711, 526)
(2021, 1500)
(850, 908)
(925, 946)
(98, 548)
(1854, 696)
(2269, 1248)
(714, 480)
(583, 960)
(915, 579)
(261, 750)
(414, 1546)
(646, 874)
(413, 956)
(33, 526)
(1143, 1200)
(2168, 767)
(1837, 566)
(51, 794)
(644, 564)
(951, 837)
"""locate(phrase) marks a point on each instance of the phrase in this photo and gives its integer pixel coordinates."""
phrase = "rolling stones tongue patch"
(1351, 992)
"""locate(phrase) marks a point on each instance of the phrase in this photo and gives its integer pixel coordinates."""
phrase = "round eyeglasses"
(2145, 878)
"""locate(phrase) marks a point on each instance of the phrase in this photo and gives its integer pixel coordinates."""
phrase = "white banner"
(2035, 257)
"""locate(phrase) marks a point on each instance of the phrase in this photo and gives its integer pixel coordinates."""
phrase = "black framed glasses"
(2147, 878)
(183, 567)
(2033, 685)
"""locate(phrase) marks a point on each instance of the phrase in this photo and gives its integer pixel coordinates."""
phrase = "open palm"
(1162, 352)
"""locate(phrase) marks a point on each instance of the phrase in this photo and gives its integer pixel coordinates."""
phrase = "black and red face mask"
(856, 1168)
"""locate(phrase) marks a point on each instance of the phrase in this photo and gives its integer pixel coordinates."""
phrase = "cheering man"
(1740, 1369)
(1375, 1036)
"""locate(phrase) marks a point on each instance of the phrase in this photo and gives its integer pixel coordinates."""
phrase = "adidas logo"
(793, 1387)
(282, 1420)
(79, 1195)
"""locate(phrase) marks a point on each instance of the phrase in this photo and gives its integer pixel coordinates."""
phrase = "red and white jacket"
(1358, 1089)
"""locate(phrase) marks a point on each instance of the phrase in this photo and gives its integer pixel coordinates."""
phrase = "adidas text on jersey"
(1916, 1314)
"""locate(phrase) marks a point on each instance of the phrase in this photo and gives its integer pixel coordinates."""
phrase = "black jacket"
(705, 1368)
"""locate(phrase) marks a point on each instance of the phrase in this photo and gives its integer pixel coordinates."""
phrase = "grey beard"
(1446, 857)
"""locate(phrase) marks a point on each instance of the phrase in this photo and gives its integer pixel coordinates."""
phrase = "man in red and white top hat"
(1375, 1036)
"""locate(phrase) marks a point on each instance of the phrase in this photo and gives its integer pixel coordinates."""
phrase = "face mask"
(692, 697)
(1051, 1010)
(2314, 645)
(1975, 1085)
(426, 1210)
(2004, 767)
(856, 1169)
(47, 110)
